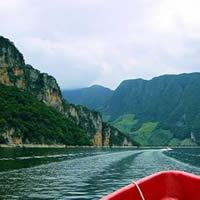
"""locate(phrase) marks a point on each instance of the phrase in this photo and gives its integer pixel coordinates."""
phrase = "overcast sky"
(85, 42)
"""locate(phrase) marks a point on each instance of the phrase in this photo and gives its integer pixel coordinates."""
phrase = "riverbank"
(76, 146)
(32, 146)
(58, 146)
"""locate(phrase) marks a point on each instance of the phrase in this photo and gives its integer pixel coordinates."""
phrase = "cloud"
(83, 42)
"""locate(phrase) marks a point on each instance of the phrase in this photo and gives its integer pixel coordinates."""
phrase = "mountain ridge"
(93, 97)
(172, 102)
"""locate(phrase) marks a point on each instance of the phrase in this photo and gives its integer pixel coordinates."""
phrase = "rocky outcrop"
(113, 137)
(101, 134)
(10, 137)
(88, 120)
(44, 87)
(14, 72)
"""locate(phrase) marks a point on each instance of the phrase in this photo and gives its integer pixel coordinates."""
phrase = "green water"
(83, 173)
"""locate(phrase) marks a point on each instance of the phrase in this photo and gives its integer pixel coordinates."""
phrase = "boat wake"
(89, 177)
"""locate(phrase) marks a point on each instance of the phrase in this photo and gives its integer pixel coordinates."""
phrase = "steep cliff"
(82, 127)
(14, 72)
(25, 120)
(100, 133)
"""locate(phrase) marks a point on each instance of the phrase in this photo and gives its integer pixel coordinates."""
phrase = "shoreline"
(58, 146)
(76, 146)
(31, 146)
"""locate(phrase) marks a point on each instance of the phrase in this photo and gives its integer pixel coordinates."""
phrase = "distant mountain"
(170, 101)
(161, 111)
(93, 97)
(156, 98)
(32, 109)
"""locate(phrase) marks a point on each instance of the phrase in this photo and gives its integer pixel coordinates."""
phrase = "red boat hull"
(167, 185)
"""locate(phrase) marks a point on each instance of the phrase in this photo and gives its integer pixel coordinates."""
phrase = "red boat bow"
(166, 185)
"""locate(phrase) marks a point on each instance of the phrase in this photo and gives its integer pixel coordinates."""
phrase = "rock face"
(114, 137)
(88, 120)
(100, 133)
(14, 72)
(43, 86)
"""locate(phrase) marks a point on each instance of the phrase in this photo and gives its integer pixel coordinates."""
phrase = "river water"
(83, 173)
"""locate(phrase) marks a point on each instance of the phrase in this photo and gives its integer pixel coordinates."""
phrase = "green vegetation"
(174, 142)
(36, 122)
(125, 122)
(151, 134)
(171, 100)
(147, 127)
(160, 137)
(145, 132)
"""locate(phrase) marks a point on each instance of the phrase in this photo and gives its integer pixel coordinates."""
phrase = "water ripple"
(88, 177)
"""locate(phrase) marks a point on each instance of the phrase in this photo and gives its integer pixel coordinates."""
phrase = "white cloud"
(82, 42)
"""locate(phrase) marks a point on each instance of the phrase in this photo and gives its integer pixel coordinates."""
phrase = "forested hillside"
(163, 110)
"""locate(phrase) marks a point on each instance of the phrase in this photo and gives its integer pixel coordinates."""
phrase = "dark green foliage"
(93, 97)
(160, 137)
(172, 100)
(35, 121)
(125, 123)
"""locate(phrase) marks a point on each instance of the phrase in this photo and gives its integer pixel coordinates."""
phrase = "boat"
(165, 185)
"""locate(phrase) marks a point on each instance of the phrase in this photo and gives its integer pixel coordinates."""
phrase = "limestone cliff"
(101, 134)
(88, 120)
(14, 72)
(44, 87)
